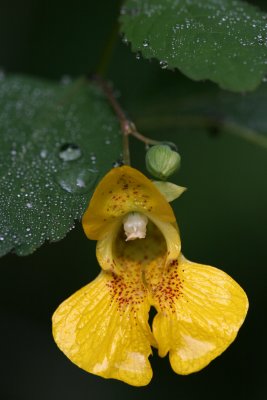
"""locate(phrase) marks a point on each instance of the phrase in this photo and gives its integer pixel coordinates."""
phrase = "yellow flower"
(103, 327)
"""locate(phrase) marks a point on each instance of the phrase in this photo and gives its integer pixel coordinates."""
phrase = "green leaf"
(56, 141)
(220, 40)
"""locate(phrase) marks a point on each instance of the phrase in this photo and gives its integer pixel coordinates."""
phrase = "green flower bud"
(162, 161)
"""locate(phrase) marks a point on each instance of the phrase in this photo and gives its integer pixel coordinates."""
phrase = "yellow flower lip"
(103, 327)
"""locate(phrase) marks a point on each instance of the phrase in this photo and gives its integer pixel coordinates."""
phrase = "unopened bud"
(162, 161)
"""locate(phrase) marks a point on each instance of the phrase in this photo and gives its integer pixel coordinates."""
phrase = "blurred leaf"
(217, 111)
(56, 140)
(220, 40)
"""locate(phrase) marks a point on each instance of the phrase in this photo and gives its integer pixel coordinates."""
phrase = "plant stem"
(109, 46)
(246, 133)
(124, 122)
(143, 138)
(108, 50)
(126, 149)
(127, 126)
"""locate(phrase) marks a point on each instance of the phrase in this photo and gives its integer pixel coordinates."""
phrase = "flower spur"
(103, 327)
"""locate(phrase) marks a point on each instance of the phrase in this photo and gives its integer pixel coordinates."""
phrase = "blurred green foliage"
(222, 216)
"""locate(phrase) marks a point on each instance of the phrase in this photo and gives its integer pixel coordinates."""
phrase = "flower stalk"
(127, 126)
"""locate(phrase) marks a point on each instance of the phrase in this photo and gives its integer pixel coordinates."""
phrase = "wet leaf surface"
(220, 40)
(56, 141)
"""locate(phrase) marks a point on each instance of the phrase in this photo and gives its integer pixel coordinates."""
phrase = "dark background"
(222, 218)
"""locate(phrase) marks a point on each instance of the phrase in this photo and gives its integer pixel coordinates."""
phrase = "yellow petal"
(171, 235)
(200, 310)
(123, 190)
(103, 328)
(105, 248)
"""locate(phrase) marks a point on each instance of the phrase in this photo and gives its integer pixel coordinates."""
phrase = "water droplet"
(69, 152)
(118, 163)
(2, 74)
(77, 179)
(138, 55)
(260, 39)
(93, 158)
(2, 238)
(145, 43)
(43, 153)
(163, 64)
(29, 205)
(65, 80)
(124, 40)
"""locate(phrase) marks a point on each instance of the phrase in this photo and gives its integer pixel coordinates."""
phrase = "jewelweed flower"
(104, 328)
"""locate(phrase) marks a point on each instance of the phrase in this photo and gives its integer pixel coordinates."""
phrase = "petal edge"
(197, 323)
(104, 335)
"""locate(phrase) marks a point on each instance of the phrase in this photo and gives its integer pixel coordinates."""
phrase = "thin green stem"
(245, 133)
(108, 51)
(143, 138)
(109, 47)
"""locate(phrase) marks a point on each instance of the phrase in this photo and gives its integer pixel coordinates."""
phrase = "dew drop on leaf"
(124, 39)
(69, 152)
(145, 43)
(65, 80)
(93, 158)
(2, 74)
(79, 179)
(118, 163)
(163, 64)
(43, 153)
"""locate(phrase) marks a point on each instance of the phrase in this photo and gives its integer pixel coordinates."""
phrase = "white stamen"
(135, 226)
